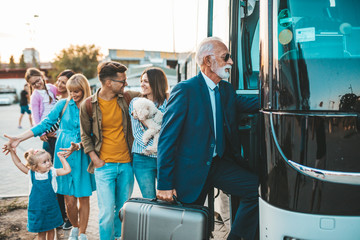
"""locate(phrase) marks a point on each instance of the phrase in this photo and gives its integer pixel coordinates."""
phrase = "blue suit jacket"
(187, 139)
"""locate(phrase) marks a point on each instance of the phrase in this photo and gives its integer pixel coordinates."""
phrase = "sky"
(52, 25)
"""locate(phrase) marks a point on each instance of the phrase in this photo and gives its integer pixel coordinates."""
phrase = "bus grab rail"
(352, 178)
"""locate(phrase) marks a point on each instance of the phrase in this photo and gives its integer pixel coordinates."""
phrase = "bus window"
(248, 56)
(316, 53)
(252, 82)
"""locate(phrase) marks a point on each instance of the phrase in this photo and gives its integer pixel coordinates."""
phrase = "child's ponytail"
(30, 160)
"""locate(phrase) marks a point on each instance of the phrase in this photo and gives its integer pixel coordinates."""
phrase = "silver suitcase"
(150, 219)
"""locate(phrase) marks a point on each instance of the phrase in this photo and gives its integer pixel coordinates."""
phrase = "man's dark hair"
(110, 69)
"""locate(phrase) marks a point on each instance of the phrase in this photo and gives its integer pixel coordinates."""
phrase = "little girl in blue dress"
(43, 210)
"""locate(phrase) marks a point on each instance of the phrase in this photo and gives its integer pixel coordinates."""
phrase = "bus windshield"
(320, 29)
(318, 54)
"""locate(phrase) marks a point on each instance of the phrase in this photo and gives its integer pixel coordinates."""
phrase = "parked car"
(5, 100)
(7, 96)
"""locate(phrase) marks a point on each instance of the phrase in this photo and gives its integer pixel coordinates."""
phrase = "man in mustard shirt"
(107, 138)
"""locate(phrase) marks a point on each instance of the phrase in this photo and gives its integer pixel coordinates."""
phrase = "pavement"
(14, 183)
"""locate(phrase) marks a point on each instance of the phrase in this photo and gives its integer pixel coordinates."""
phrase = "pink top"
(37, 106)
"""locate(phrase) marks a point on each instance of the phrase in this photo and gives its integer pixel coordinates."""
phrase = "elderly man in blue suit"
(199, 144)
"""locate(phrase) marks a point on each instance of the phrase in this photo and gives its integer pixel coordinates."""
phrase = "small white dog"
(146, 111)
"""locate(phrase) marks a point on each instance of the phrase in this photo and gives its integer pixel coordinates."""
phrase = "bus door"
(236, 22)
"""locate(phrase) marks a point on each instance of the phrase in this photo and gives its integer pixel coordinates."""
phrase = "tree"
(81, 59)
(22, 63)
(35, 62)
(12, 63)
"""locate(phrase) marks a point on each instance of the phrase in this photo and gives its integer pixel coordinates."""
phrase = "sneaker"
(67, 225)
(83, 237)
(19, 127)
(74, 234)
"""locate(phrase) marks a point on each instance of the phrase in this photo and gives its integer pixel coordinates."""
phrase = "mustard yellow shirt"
(114, 147)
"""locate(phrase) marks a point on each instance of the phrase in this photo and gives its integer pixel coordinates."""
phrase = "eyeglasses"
(36, 82)
(226, 57)
(120, 81)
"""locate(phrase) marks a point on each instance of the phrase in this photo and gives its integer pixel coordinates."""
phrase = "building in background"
(31, 59)
(141, 57)
(31, 56)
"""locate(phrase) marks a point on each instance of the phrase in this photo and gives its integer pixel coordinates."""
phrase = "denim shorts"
(25, 109)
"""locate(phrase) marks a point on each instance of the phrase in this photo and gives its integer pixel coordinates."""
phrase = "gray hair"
(205, 48)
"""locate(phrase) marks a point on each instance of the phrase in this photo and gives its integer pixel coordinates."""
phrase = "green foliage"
(81, 59)
(12, 64)
(22, 63)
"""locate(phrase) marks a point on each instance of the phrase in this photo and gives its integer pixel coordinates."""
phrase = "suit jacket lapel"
(204, 93)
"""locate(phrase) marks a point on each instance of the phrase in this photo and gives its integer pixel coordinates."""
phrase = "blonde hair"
(32, 157)
(78, 82)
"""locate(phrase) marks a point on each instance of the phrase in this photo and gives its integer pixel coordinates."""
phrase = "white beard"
(221, 71)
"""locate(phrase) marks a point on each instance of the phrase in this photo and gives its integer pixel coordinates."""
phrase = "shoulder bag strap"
(64, 108)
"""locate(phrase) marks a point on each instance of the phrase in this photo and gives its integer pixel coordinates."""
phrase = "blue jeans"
(145, 173)
(114, 183)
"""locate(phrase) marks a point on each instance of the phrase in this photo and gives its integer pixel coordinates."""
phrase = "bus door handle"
(352, 178)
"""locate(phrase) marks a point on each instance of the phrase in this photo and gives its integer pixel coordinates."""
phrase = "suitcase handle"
(176, 201)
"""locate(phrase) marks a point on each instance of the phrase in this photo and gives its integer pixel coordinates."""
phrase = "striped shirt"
(138, 130)
(54, 127)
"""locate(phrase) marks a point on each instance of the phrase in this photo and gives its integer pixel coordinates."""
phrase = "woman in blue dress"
(79, 184)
